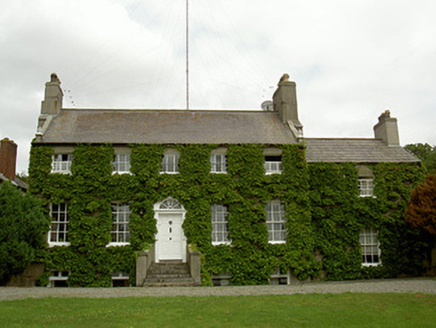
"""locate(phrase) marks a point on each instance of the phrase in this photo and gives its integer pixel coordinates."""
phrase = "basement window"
(120, 279)
(58, 278)
(279, 277)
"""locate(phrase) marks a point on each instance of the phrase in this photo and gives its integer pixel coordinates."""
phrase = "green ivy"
(324, 214)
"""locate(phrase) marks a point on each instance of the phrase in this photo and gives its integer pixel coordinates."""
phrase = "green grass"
(315, 310)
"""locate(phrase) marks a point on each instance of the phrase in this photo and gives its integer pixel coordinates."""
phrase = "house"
(183, 197)
(8, 162)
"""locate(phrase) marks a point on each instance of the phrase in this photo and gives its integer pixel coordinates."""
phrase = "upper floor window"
(275, 221)
(366, 181)
(120, 234)
(273, 164)
(220, 233)
(370, 247)
(58, 234)
(62, 163)
(121, 163)
(273, 160)
(218, 162)
(170, 162)
(366, 187)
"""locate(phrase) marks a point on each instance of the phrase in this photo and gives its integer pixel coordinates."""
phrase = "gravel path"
(421, 285)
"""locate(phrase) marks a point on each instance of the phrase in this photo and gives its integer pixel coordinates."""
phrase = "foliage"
(324, 214)
(314, 310)
(421, 209)
(23, 226)
(426, 153)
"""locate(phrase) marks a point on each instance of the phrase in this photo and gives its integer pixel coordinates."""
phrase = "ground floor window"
(370, 247)
(58, 234)
(220, 233)
(120, 224)
(275, 221)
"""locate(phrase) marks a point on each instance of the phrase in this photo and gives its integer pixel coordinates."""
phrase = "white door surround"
(170, 237)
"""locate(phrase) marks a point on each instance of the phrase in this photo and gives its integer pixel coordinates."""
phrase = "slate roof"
(354, 150)
(166, 127)
(17, 182)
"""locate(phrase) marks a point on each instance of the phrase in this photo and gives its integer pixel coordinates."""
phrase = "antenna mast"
(187, 54)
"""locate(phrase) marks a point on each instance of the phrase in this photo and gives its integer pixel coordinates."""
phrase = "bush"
(23, 227)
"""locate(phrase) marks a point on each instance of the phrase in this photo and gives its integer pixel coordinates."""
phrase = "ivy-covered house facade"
(228, 197)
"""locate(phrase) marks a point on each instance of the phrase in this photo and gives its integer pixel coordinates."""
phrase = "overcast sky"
(351, 60)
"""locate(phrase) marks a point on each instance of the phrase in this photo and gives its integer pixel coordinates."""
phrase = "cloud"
(351, 59)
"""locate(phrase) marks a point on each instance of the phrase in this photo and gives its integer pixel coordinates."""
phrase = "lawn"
(315, 310)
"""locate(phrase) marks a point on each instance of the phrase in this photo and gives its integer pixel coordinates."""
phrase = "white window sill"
(61, 172)
(273, 172)
(216, 243)
(121, 173)
(370, 264)
(367, 196)
(53, 244)
(169, 172)
(223, 172)
(277, 242)
(117, 244)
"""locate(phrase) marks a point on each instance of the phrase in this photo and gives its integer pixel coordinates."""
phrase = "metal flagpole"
(187, 54)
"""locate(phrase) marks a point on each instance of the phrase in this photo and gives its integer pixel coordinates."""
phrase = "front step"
(169, 274)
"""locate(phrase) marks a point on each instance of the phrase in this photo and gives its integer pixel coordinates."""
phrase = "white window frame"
(275, 221)
(61, 163)
(273, 165)
(366, 187)
(120, 232)
(59, 219)
(119, 276)
(278, 276)
(220, 225)
(56, 275)
(170, 163)
(218, 162)
(370, 247)
(121, 164)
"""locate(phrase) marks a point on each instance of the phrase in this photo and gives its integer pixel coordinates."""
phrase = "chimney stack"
(285, 103)
(387, 129)
(8, 158)
(51, 105)
(52, 102)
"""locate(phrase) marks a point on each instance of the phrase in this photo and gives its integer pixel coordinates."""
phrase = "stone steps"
(169, 274)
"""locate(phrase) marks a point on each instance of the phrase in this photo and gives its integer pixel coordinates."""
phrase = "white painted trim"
(180, 211)
(53, 244)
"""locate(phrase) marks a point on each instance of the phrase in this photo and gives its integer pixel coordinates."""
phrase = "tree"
(421, 209)
(23, 227)
(426, 153)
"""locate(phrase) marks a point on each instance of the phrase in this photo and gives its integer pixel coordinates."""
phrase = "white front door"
(170, 238)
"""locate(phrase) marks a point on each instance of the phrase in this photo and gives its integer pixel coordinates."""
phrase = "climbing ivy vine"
(324, 214)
